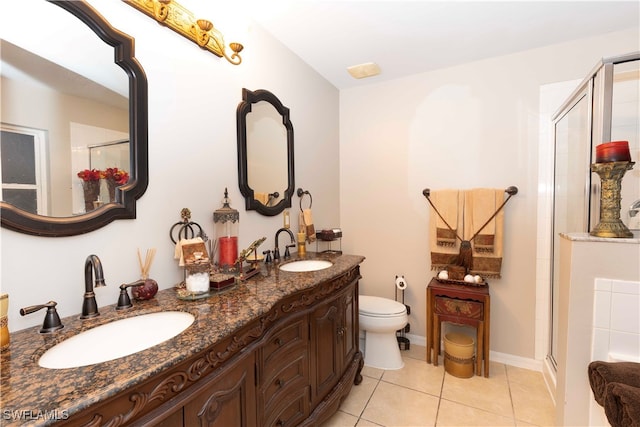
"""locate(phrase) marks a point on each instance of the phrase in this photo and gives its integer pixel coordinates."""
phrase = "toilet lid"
(379, 307)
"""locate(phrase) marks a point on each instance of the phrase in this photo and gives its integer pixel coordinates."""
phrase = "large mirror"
(265, 152)
(74, 120)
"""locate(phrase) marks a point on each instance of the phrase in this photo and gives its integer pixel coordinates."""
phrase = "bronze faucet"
(89, 306)
(276, 250)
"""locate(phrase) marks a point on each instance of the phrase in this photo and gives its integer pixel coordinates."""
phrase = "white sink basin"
(116, 339)
(306, 265)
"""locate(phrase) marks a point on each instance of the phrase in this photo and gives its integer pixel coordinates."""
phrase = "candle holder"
(611, 174)
(226, 220)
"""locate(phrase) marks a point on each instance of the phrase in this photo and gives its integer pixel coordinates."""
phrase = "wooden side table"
(467, 305)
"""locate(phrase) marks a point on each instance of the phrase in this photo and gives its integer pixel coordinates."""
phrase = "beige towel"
(480, 204)
(178, 250)
(444, 245)
(309, 228)
(448, 204)
(261, 197)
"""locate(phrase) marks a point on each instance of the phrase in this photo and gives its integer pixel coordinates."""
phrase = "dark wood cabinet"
(228, 398)
(290, 366)
(333, 341)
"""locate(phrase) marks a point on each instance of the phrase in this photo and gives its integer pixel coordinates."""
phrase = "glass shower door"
(571, 184)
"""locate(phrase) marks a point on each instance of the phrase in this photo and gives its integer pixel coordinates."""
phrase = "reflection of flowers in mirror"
(90, 175)
(119, 176)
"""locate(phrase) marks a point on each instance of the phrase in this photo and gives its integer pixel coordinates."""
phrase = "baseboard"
(494, 356)
(517, 361)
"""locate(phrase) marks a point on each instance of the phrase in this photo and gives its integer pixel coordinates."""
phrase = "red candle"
(614, 151)
(228, 250)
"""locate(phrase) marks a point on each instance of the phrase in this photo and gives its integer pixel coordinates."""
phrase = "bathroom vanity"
(279, 349)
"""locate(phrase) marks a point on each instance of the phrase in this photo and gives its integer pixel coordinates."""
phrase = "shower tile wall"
(616, 328)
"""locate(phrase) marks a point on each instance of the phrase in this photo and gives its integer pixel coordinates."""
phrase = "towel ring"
(301, 194)
(186, 230)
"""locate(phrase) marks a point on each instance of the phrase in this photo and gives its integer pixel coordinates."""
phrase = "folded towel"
(480, 205)
(308, 224)
(443, 242)
(622, 405)
(261, 197)
(483, 205)
(603, 373)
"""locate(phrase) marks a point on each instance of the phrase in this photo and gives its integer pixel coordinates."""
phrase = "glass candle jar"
(227, 223)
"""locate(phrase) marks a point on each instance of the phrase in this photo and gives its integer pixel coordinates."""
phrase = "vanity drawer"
(290, 410)
(284, 342)
(458, 307)
(290, 377)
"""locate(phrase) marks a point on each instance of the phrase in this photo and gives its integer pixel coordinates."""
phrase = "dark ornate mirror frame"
(244, 108)
(126, 195)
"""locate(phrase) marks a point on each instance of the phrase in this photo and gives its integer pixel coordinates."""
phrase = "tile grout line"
(513, 409)
(369, 399)
(435, 422)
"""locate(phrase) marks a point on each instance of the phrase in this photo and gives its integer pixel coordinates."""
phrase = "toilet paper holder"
(400, 286)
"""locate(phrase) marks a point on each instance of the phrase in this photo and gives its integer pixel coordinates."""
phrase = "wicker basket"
(458, 355)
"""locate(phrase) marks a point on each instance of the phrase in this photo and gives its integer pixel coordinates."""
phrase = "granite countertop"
(32, 395)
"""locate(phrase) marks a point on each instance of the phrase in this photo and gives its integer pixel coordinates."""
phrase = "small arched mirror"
(73, 102)
(265, 152)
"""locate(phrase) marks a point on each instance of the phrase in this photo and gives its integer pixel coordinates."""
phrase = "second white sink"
(116, 339)
(306, 265)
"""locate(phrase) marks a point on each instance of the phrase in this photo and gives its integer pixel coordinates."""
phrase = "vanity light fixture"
(182, 21)
(362, 71)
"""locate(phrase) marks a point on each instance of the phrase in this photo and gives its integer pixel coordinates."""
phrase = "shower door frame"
(598, 89)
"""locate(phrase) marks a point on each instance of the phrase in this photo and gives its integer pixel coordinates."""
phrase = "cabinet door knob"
(279, 423)
(279, 383)
(278, 341)
(341, 331)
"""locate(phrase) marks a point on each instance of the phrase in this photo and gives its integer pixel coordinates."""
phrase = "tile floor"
(423, 395)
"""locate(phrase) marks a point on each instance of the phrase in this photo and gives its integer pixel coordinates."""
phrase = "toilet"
(380, 318)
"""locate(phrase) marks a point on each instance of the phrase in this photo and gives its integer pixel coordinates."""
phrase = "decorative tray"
(185, 295)
(462, 282)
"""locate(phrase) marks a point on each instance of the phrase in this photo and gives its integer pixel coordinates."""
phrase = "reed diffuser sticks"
(148, 260)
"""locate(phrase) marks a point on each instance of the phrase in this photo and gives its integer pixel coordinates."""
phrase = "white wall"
(473, 125)
(192, 158)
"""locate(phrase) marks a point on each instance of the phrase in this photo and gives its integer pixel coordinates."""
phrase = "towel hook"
(301, 194)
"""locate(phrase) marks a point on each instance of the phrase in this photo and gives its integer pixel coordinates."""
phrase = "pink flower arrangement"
(90, 175)
(119, 176)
